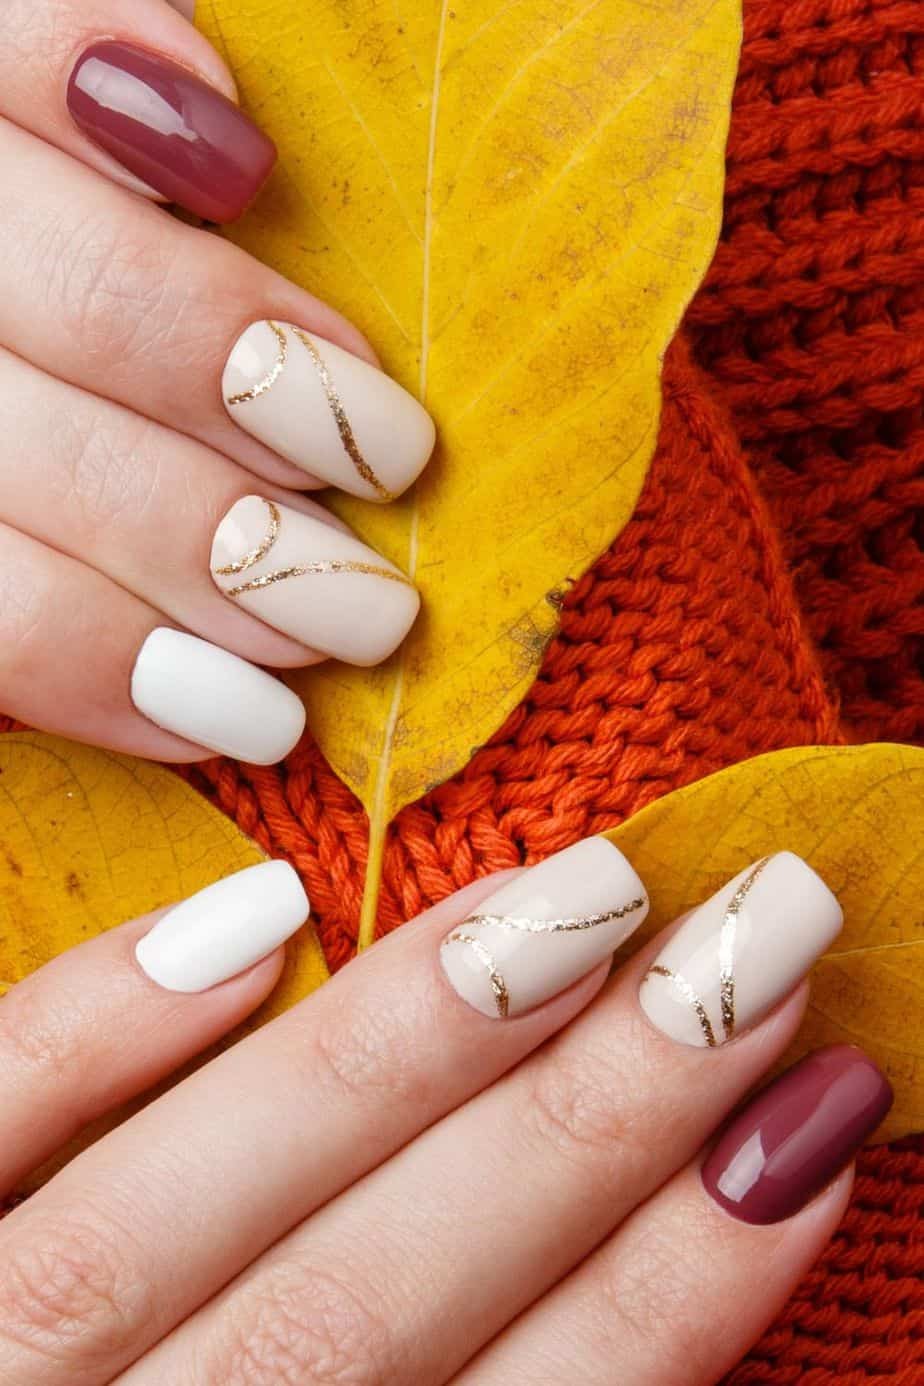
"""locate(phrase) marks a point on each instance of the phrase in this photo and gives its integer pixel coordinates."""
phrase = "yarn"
(767, 592)
(811, 327)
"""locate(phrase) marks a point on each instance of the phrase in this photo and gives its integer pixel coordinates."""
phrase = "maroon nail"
(171, 129)
(792, 1140)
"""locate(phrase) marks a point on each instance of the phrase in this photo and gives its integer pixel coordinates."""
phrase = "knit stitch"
(767, 592)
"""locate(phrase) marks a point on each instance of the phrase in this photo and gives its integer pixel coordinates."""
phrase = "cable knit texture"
(766, 593)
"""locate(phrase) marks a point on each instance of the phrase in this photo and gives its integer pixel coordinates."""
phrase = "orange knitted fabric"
(811, 325)
(766, 593)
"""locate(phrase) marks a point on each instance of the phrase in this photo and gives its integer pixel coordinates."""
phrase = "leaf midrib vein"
(380, 803)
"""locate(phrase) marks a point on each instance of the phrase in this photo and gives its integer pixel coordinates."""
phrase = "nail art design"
(269, 380)
(321, 565)
(225, 929)
(519, 949)
(326, 410)
(215, 699)
(741, 952)
(174, 132)
(726, 964)
(343, 424)
(359, 621)
(797, 1135)
(333, 399)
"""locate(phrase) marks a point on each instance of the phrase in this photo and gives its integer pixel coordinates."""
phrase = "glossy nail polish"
(327, 411)
(796, 1135)
(741, 952)
(224, 929)
(165, 125)
(215, 699)
(313, 581)
(544, 930)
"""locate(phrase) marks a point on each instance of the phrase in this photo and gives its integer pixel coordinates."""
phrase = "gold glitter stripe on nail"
(262, 549)
(323, 565)
(498, 985)
(269, 380)
(682, 986)
(727, 948)
(555, 926)
(351, 447)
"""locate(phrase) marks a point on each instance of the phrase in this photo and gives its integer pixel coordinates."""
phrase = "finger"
(505, 1196)
(83, 658)
(311, 1103)
(142, 98)
(101, 289)
(93, 1029)
(694, 1277)
(146, 506)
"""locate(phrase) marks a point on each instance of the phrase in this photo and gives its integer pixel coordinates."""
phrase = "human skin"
(145, 400)
(403, 1179)
(470, 1157)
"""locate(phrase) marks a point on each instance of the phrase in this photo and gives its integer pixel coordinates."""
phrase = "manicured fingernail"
(172, 130)
(545, 930)
(312, 581)
(225, 929)
(214, 699)
(327, 411)
(799, 1133)
(741, 952)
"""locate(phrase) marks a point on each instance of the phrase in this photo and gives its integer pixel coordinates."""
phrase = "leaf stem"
(372, 885)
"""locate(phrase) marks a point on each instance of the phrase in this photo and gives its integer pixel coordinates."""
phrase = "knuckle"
(22, 604)
(593, 1100)
(34, 1039)
(38, 36)
(306, 1325)
(107, 287)
(571, 1106)
(670, 1328)
(372, 1059)
(111, 468)
(67, 1292)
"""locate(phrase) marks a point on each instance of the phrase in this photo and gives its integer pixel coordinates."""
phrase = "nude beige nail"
(545, 930)
(326, 410)
(741, 952)
(316, 583)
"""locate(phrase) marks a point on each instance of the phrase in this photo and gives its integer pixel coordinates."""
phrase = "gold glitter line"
(262, 549)
(269, 380)
(727, 948)
(322, 566)
(689, 995)
(350, 445)
(555, 926)
(486, 958)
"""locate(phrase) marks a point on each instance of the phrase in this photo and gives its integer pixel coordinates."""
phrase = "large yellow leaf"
(515, 199)
(89, 839)
(857, 815)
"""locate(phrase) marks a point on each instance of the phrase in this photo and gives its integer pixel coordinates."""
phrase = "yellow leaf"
(515, 201)
(89, 839)
(855, 813)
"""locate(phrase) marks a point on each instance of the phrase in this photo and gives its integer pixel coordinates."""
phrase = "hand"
(490, 1172)
(162, 396)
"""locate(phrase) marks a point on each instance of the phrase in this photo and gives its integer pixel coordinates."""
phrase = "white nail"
(545, 930)
(315, 582)
(214, 699)
(741, 952)
(326, 410)
(225, 929)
